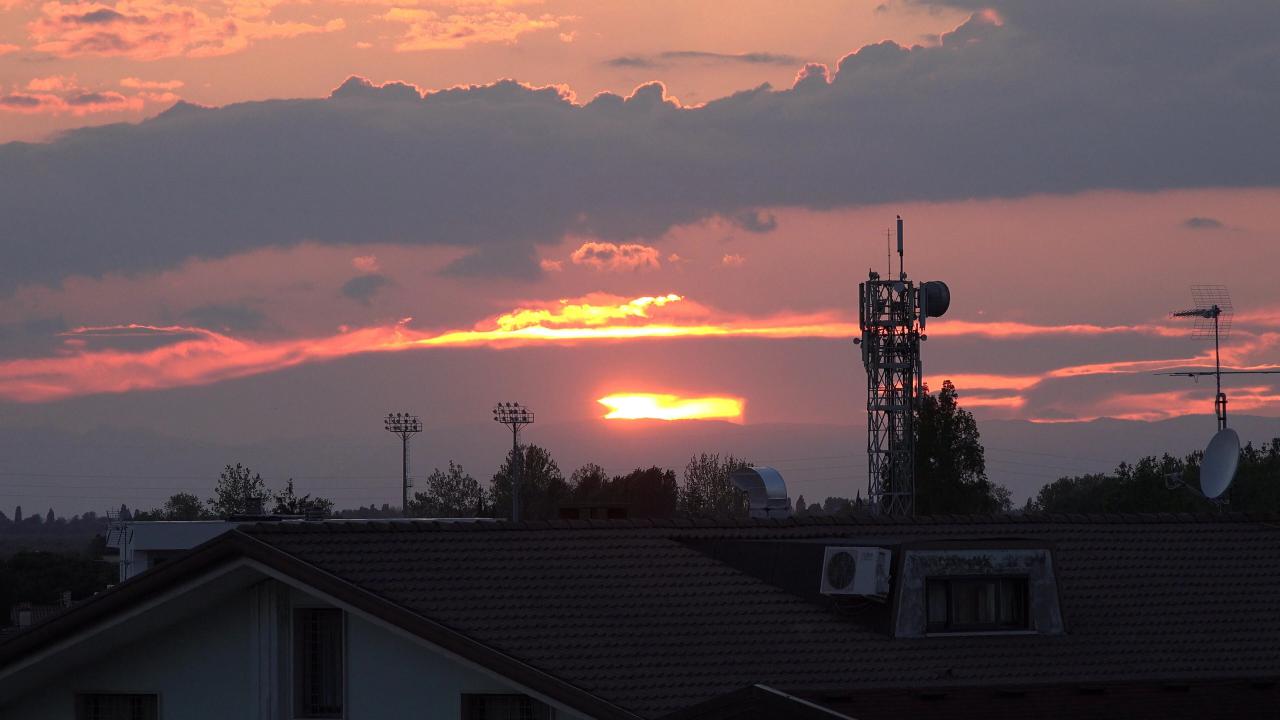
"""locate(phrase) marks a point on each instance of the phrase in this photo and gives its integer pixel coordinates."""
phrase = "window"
(976, 604)
(112, 706)
(504, 707)
(317, 663)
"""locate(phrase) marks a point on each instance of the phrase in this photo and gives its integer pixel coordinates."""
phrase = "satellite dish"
(1219, 465)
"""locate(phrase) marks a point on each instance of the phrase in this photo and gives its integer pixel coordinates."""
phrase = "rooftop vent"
(765, 489)
(856, 571)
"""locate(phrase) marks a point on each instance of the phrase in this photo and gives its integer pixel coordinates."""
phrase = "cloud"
(756, 221)
(468, 23)
(364, 287)
(138, 84)
(63, 94)
(6, 48)
(1202, 223)
(365, 263)
(551, 265)
(154, 29)
(616, 258)
(181, 356)
(1053, 98)
(130, 357)
(225, 318)
(732, 260)
(631, 61)
(672, 57)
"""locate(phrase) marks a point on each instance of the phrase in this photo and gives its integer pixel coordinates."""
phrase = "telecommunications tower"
(891, 314)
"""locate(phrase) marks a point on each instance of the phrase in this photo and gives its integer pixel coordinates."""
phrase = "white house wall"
(218, 665)
(200, 668)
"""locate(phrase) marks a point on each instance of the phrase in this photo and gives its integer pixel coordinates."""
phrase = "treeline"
(1166, 484)
(705, 488)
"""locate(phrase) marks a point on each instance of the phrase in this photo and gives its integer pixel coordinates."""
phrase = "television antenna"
(1213, 313)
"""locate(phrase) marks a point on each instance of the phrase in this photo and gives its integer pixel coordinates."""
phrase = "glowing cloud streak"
(197, 356)
(186, 356)
(658, 406)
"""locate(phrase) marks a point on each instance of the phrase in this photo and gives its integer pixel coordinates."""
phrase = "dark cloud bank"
(1060, 97)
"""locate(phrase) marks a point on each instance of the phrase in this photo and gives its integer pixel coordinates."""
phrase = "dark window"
(317, 663)
(112, 706)
(503, 707)
(976, 604)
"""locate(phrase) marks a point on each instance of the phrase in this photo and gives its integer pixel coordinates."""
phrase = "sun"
(664, 406)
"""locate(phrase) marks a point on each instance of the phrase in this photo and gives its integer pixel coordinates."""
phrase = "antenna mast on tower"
(892, 314)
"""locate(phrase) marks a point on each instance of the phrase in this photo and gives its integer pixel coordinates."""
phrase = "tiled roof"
(634, 614)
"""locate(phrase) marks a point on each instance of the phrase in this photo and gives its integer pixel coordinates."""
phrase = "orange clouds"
(613, 257)
(466, 22)
(58, 94)
(198, 356)
(181, 356)
(152, 29)
(139, 84)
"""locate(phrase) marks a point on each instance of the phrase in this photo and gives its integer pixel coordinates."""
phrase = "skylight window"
(976, 604)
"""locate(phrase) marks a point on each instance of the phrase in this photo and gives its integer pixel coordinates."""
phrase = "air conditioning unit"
(856, 571)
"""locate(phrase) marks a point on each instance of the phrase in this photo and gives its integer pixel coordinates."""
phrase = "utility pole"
(406, 426)
(514, 416)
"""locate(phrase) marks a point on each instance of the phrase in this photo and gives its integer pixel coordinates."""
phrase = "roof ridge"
(339, 525)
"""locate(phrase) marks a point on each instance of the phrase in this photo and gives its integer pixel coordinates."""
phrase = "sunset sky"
(260, 222)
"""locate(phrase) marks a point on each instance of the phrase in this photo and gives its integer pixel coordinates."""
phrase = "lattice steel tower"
(891, 314)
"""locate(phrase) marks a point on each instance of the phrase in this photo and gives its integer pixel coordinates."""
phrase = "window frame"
(949, 626)
(296, 710)
(82, 714)
(466, 697)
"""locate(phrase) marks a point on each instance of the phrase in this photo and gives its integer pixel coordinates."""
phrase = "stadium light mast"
(406, 426)
(514, 416)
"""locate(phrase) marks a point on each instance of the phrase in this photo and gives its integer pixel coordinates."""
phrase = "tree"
(184, 506)
(646, 492)
(453, 493)
(951, 469)
(709, 491)
(542, 486)
(590, 483)
(837, 506)
(650, 492)
(801, 507)
(290, 503)
(1165, 484)
(17, 515)
(240, 491)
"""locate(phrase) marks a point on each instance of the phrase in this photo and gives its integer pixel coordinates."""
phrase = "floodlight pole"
(514, 416)
(406, 426)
